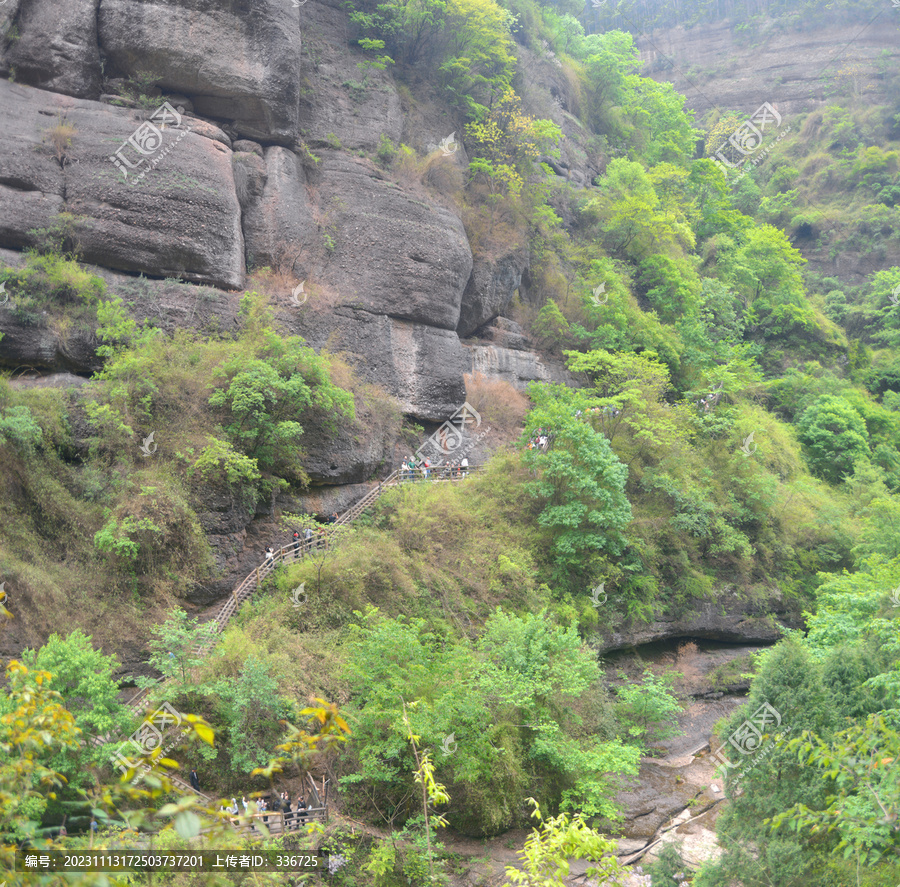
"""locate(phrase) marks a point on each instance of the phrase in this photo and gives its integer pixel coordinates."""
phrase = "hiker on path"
(270, 556)
(245, 804)
(464, 466)
(296, 538)
(309, 535)
(195, 780)
(425, 466)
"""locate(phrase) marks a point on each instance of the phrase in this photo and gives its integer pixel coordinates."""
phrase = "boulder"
(490, 288)
(56, 48)
(237, 62)
(149, 222)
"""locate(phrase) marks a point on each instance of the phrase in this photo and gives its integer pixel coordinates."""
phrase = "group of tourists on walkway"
(277, 803)
(304, 538)
(411, 470)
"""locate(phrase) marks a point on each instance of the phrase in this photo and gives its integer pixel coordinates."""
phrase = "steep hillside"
(256, 258)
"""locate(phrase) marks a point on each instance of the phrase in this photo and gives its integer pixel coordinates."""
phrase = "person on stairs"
(270, 556)
(195, 780)
(296, 538)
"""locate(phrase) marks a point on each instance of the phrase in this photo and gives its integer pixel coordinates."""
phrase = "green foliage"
(504, 144)
(545, 857)
(386, 151)
(19, 429)
(34, 725)
(464, 44)
(862, 784)
(668, 867)
(250, 711)
(173, 647)
(834, 436)
(83, 676)
(647, 708)
(581, 485)
(498, 712)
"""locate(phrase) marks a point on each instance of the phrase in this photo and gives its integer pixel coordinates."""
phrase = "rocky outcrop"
(279, 227)
(490, 289)
(388, 250)
(154, 225)
(26, 343)
(56, 48)
(421, 366)
(237, 63)
(730, 617)
(514, 366)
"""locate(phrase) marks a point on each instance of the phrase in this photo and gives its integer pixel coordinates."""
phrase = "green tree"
(174, 648)
(862, 805)
(647, 709)
(250, 708)
(83, 676)
(34, 726)
(834, 436)
(581, 485)
(631, 217)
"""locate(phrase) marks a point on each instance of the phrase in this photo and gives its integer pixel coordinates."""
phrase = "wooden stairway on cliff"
(286, 555)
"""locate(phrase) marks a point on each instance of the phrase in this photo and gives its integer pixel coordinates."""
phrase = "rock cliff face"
(257, 159)
(716, 65)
